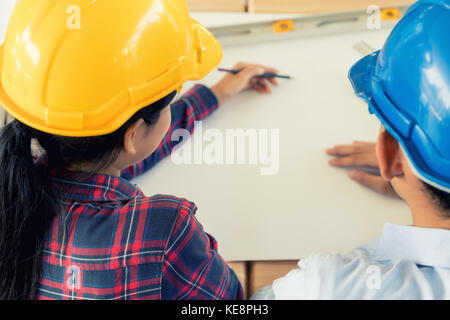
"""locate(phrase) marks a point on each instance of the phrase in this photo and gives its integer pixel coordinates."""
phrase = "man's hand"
(233, 84)
(361, 154)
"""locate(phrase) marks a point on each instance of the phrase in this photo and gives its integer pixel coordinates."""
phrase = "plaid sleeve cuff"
(203, 101)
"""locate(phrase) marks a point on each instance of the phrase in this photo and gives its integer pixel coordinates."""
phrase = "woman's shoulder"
(163, 212)
(166, 203)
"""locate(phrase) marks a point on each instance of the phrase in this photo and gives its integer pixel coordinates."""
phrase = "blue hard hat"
(407, 86)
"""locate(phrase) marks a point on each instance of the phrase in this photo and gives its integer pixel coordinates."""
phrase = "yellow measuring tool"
(283, 26)
(390, 14)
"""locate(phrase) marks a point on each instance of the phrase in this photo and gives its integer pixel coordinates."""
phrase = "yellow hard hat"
(84, 67)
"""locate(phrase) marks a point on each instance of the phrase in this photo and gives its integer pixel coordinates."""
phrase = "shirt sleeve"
(193, 269)
(195, 105)
(333, 276)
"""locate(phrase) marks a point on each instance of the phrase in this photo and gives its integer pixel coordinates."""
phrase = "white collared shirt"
(403, 263)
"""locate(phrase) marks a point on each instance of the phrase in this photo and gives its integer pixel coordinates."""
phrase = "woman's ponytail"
(27, 208)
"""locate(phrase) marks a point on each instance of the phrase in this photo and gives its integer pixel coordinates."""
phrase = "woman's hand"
(233, 84)
(361, 154)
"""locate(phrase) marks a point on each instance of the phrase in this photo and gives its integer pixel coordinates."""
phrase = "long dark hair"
(28, 204)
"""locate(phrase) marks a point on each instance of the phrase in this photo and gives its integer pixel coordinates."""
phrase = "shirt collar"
(424, 246)
(81, 186)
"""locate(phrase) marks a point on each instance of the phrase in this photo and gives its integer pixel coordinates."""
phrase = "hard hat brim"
(360, 76)
(211, 52)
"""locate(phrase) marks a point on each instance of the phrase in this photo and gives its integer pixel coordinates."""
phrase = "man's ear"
(389, 156)
(129, 138)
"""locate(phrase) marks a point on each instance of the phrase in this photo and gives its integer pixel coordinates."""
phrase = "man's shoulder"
(358, 275)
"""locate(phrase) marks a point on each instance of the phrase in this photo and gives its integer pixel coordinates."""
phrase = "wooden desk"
(288, 6)
(255, 275)
(263, 273)
(217, 5)
(241, 270)
(317, 6)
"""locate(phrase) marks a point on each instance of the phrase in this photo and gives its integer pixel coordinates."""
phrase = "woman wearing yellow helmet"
(96, 103)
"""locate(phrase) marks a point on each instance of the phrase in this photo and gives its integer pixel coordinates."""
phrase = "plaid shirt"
(113, 242)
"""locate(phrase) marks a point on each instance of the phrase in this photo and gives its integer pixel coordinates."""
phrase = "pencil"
(264, 75)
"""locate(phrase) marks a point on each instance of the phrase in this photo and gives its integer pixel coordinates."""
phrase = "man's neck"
(426, 215)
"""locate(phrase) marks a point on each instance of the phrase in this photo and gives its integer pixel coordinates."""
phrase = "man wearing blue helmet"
(407, 86)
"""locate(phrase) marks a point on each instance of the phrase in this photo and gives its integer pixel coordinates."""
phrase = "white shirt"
(403, 263)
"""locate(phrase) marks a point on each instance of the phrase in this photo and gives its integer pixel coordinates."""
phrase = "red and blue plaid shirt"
(113, 242)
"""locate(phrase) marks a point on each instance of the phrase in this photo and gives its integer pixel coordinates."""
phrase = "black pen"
(264, 75)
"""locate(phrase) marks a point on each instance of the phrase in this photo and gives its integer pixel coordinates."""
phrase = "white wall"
(6, 7)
